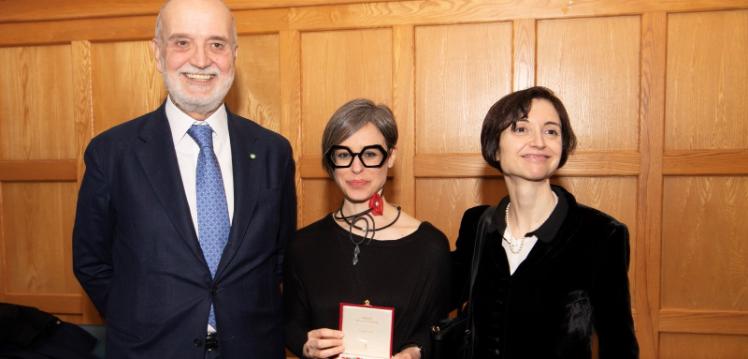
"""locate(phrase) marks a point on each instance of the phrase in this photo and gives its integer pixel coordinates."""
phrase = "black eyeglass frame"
(330, 152)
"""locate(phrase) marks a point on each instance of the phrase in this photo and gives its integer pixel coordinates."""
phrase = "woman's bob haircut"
(513, 107)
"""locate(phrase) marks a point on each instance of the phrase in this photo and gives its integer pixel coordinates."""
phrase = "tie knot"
(202, 134)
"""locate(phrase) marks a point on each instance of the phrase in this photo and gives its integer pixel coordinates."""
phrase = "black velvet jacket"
(573, 281)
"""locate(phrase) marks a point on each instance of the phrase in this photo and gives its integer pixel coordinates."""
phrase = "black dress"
(410, 274)
(573, 282)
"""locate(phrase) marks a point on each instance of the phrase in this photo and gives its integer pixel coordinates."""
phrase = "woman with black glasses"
(367, 251)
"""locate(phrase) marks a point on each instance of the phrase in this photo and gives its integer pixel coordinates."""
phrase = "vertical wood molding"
(83, 108)
(403, 97)
(651, 144)
(84, 129)
(523, 48)
(290, 120)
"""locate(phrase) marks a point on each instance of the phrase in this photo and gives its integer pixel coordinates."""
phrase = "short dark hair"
(513, 107)
(351, 117)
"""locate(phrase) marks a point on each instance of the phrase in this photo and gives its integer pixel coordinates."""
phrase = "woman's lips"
(535, 157)
(357, 183)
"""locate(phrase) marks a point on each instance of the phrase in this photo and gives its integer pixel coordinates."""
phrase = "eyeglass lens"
(370, 156)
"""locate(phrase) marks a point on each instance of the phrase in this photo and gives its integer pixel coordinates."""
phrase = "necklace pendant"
(356, 251)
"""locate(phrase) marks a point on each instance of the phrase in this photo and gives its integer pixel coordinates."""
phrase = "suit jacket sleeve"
(296, 309)
(93, 231)
(288, 212)
(611, 299)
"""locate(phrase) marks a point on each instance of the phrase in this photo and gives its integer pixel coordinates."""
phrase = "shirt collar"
(547, 231)
(180, 122)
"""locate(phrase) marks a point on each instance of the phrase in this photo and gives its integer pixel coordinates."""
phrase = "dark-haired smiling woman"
(551, 271)
(367, 250)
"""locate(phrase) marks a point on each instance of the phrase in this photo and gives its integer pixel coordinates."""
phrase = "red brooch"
(376, 204)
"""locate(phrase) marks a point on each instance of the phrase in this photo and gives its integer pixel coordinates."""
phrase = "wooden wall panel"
(461, 70)
(125, 81)
(319, 197)
(593, 66)
(36, 103)
(693, 346)
(436, 197)
(704, 251)
(707, 80)
(255, 93)
(37, 226)
(338, 66)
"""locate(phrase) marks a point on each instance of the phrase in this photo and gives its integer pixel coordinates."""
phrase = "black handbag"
(452, 338)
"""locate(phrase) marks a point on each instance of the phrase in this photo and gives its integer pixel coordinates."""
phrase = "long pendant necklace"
(368, 228)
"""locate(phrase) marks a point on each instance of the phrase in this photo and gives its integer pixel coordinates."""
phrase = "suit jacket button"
(197, 342)
(213, 291)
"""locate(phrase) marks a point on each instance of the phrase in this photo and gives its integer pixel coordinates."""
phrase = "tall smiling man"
(183, 213)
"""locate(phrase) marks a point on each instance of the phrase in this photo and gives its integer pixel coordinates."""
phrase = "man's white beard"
(197, 104)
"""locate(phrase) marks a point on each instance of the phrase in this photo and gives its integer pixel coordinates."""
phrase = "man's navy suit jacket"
(136, 251)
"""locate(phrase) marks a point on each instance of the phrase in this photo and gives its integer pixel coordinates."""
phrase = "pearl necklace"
(512, 241)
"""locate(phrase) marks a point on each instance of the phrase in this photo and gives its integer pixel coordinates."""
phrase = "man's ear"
(157, 55)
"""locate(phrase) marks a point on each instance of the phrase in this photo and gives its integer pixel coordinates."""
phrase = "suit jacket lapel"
(159, 160)
(246, 160)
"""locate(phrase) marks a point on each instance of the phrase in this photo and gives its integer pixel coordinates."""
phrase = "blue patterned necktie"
(212, 210)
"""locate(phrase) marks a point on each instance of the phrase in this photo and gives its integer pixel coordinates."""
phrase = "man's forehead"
(208, 18)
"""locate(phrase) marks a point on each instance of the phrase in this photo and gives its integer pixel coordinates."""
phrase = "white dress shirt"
(515, 259)
(188, 150)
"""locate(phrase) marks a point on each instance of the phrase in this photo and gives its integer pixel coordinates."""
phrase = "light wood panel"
(256, 90)
(338, 66)
(123, 28)
(443, 201)
(461, 70)
(692, 346)
(707, 81)
(704, 321)
(704, 252)
(37, 228)
(593, 66)
(524, 46)
(649, 200)
(706, 162)
(125, 82)
(319, 197)
(36, 104)
(11, 11)
(38, 170)
(290, 78)
(458, 11)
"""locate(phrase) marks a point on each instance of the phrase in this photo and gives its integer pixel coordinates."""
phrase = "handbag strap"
(484, 223)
